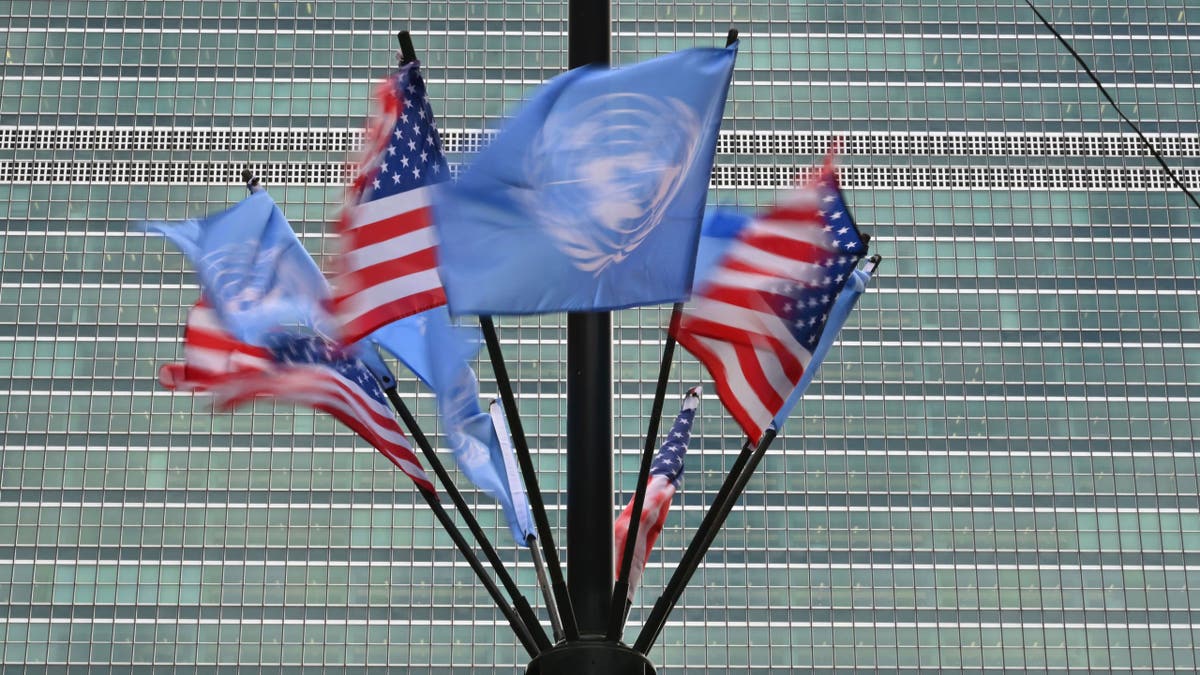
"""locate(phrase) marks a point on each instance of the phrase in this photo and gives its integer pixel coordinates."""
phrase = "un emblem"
(603, 173)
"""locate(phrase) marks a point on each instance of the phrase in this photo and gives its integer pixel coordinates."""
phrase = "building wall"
(996, 468)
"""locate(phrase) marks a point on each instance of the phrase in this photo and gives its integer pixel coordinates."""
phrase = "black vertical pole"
(589, 398)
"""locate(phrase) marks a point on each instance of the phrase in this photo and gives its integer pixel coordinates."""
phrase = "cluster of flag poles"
(765, 310)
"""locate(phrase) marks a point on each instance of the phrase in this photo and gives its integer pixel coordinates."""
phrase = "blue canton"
(413, 157)
(294, 349)
(805, 307)
(669, 460)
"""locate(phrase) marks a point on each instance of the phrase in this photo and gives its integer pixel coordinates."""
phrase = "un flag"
(591, 197)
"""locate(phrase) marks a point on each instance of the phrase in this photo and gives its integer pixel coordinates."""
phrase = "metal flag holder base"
(590, 657)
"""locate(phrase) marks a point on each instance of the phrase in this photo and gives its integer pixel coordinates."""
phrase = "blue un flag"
(253, 270)
(591, 197)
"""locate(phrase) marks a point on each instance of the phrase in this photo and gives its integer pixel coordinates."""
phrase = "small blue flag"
(253, 270)
(408, 340)
(590, 198)
(438, 351)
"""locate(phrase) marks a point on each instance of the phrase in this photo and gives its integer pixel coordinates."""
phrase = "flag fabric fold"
(756, 319)
(290, 368)
(666, 473)
(590, 197)
(388, 262)
(516, 503)
(846, 300)
(311, 371)
(255, 273)
(438, 351)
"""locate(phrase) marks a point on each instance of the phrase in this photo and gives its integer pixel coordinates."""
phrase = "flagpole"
(618, 607)
(529, 619)
(590, 502)
(727, 496)
(539, 567)
(465, 549)
(560, 597)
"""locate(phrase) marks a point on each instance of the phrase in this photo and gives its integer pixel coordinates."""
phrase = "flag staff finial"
(253, 184)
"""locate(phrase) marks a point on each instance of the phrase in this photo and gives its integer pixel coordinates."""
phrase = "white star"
(843, 230)
(429, 139)
(424, 157)
(403, 118)
(416, 129)
(421, 112)
(838, 215)
(376, 183)
(404, 161)
(383, 167)
(412, 145)
(412, 89)
(407, 103)
(437, 168)
(397, 133)
(416, 172)
(396, 178)
(828, 198)
(852, 244)
(391, 150)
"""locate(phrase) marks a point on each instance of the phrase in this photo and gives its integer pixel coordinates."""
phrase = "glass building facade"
(996, 469)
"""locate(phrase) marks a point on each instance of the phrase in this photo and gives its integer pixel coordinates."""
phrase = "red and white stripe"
(324, 389)
(210, 354)
(236, 372)
(754, 358)
(659, 493)
(388, 263)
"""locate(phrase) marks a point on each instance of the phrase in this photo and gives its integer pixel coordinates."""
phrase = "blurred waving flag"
(254, 273)
(666, 473)
(590, 198)
(290, 368)
(309, 370)
(211, 354)
(756, 319)
(388, 265)
(846, 300)
(438, 351)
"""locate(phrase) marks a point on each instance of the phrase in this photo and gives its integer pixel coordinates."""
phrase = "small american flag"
(388, 264)
(295, 369)
(666, 473)
(755, 322)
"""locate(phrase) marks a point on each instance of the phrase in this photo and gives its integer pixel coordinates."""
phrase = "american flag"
(388, 263)
(291, 368)
(756, 320)
(666, 473)
(210, 354)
